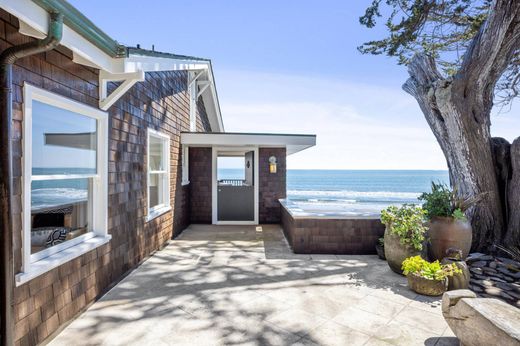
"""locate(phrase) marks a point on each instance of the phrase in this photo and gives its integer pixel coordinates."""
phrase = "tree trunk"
(512, 237)
(458, 111)
(460, 122)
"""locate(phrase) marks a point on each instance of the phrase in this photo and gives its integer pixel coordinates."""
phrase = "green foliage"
(442, 201)
(438, 201)
(381, 241)
(407, 222)
(429, 270)
(442, 29)
(459, 215)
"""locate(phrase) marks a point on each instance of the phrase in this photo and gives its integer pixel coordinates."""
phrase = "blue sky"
(292, 67)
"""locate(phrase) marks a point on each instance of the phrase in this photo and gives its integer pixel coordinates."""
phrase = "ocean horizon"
(353, 191)
(334, 191)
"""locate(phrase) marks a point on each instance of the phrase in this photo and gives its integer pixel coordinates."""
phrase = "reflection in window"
(63, 142)
(60, 210)
(64, 170)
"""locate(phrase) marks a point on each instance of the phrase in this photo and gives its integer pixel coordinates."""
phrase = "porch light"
(272, 164)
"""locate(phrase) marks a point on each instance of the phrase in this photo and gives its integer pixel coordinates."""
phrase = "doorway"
(235, 186)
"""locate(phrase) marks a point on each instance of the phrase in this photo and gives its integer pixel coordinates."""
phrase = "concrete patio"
(241, 285)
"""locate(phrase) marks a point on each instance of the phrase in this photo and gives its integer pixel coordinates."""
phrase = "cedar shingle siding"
(161, 102)
(200, 185)
(332, 236)
(272, 185)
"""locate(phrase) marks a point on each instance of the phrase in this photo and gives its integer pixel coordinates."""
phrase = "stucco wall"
(161, 102)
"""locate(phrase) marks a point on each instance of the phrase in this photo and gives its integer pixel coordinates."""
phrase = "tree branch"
(424, 80)
(491, 50)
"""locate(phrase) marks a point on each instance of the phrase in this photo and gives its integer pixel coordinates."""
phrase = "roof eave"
(83, 26)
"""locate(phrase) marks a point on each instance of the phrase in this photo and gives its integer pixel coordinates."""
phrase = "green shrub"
(442, 201)
(429, 270)
(407, 222)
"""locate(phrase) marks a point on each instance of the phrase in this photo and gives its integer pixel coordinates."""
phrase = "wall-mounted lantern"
(272, 164)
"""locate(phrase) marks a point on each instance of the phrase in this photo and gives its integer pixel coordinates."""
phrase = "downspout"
(7, 59)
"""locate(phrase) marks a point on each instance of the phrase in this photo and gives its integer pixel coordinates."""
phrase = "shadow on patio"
(222, 285)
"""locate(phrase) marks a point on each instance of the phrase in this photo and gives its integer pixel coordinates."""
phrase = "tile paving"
(241, 285)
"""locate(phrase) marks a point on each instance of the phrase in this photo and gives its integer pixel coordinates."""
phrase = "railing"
(232, 182)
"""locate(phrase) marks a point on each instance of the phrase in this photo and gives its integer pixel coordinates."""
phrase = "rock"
(508, 273)
(477, 282)
(494, 291)
(477, 256)
(488, 270)
(504, 286)
(516, 287)
(478, 264)
(480, 321)
(496, 276)
(481, 277)
(509, 262)
(514, 294)
(492, 264)
(476, 288)
(488, 283)
(505, 295)
(508, 279)
(478, 271)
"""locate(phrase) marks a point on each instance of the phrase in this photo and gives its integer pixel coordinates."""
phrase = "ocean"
(335, 191)
(354, 191)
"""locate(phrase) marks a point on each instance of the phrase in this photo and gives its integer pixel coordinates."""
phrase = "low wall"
(330, 234)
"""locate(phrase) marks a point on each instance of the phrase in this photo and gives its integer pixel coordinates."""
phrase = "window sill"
(46, 264)
(152, 214)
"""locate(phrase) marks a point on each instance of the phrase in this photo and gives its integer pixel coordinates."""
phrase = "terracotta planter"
(425, 286)
(458, 281)
(447, 232)
(396, 253)
(380, 251)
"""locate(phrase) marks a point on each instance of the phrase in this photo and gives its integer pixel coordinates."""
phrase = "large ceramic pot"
(458, 281)
(396, 253)
(448, 232)
(425, 286)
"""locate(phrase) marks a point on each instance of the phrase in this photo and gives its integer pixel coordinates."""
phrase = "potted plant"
(380, 248)
(428, 278)
(448, 226)
(460, 280)
(404, 234)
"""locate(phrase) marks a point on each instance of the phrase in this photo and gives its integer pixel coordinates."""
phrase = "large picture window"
(65, 180)
(158, 173)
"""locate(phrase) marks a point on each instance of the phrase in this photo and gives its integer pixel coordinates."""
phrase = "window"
(185, 165)
(158, 173)
(65, 180)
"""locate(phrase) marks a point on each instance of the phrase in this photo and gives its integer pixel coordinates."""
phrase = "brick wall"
(161, 102)
(332, 236)
(272, 185)
(200, 185)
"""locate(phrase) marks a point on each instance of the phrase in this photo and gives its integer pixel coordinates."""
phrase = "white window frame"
(185, 165)
(36, 264)
(165, 207)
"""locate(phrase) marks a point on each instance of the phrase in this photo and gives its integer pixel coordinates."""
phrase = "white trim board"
(50, 258)
(35, 23)
(293, 143)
